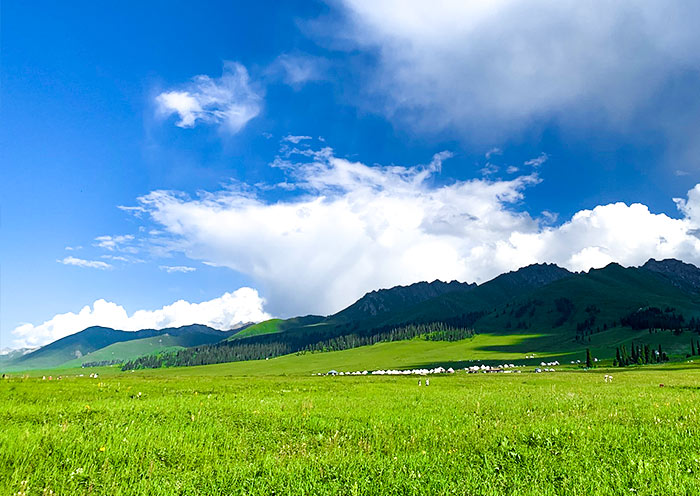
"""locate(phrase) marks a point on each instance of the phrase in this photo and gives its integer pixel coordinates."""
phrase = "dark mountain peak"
(387, 300)
(183, 330)
(614, 266)
(534, 275)
(610, 268)
(682, 275)
(97, 329)
(437, 286)
(669, 265)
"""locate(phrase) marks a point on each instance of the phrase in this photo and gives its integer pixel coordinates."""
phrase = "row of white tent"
(506, 367)
(503, 368)
(437, 370)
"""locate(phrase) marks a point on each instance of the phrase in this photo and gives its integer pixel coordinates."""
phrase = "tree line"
(437, 331)
(654, 318)
(638, 355)
(102, 363)
(272, 345)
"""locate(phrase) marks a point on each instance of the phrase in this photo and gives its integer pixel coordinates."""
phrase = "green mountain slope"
(423, 303)
(273, 326)
(541, 308)
(9, 356)
(587, 303)
(92, 339)
(557, 309)
(463, 305)
(128, 350)
(492, 348)
(397, 299)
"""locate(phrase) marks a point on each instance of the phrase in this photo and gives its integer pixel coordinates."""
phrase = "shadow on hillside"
(545, 347)
(532, 343)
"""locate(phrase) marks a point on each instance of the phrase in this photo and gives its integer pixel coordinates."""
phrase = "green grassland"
(488, 348)
(211, 431)
(492, 348)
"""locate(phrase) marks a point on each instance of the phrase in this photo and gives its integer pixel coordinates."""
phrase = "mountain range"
(565, 309)
(106, 345)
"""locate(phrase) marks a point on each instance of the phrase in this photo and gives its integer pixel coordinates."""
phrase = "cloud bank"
(229, 102)
(350, 228)
(225, 312)
(487, 69)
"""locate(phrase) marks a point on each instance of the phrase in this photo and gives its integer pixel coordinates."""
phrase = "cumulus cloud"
(494, 68)
(229, 101)
(80, 262)
(176, 268)
(617, 232)
(351, 228)
(225, 312)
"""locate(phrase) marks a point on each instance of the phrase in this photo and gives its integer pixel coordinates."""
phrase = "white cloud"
(137, 211)
(118, 243)
(537, 162)
(176, 268)
(79, 262)
(298, 69)
(116, 258)
(296, 139)
(356, 228)
(489, 169)
(617, 232)
(493, 152)
(225, 312)
(229, 101)
(492, 68)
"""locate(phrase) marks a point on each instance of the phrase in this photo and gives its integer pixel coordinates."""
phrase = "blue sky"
(284, 158)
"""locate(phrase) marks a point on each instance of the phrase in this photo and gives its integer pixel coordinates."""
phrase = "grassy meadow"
(269, 427)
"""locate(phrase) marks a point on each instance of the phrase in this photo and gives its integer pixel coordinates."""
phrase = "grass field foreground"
(156, 433)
